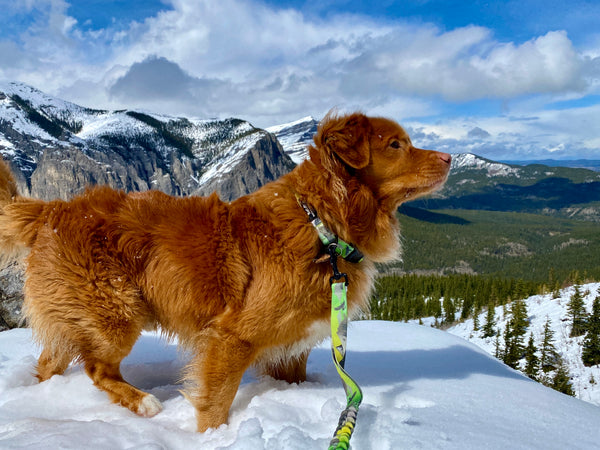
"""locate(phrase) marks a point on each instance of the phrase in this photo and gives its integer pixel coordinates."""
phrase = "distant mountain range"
(591, 164)
(478, 183)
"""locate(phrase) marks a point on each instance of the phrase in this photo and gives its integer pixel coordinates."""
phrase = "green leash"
(339, 323)
(339, 326)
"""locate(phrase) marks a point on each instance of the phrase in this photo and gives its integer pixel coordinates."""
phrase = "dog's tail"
(19, 217)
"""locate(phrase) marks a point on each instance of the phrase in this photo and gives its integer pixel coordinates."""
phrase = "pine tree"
(576, 309)
(520, 320)
(489, 329)
(520, 291)
(449, 311)
(562, 381)
(476, 314)
(590, 354)
(532, 361)
(514, 334)
(549, 357)
(512, 350)
(498, 351)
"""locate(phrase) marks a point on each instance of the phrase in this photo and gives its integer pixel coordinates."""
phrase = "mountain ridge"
(57, 148)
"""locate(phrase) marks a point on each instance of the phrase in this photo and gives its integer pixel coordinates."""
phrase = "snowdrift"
(423, 388)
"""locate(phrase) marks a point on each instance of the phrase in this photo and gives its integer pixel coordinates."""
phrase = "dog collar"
(330, 240)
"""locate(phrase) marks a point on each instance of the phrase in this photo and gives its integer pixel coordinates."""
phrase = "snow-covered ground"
(423, 388)
(539, 309)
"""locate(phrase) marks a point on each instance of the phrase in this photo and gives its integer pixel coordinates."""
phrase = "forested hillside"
(494, 243)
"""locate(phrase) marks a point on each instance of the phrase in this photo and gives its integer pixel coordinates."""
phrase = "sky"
(504, 79)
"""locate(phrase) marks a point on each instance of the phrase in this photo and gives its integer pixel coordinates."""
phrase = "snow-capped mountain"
(57, 148)
(468, 161)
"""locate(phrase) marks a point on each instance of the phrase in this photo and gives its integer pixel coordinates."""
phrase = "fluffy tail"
(19, 217)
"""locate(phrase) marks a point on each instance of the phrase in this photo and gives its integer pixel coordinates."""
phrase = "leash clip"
(333, 255)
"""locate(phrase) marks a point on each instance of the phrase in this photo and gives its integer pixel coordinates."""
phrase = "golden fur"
(236, 282)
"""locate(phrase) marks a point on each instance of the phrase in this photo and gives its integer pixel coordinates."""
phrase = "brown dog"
(236, 282)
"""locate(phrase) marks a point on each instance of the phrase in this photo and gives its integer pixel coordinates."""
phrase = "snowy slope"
(295, 137)
(423, 388)
(540, 308)
(470, 161)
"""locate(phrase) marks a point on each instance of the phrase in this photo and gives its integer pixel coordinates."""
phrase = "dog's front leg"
(215, 374)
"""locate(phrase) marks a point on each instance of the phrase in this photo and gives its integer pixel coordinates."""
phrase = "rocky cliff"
(57, 148)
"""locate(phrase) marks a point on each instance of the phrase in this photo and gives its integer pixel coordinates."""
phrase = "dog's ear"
(347, 137)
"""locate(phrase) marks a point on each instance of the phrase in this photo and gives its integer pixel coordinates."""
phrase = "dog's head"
(378, 153)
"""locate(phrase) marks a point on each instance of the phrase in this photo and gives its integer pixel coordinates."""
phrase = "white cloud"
(270, 65)
(549, 133)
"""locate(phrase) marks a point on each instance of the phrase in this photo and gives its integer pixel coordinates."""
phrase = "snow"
(7, 148)
(278, 128)
(423, 388)
(471, 161)
(295, 137)
(540, 308)
(228, 161)
(19, 122)
(112, 123)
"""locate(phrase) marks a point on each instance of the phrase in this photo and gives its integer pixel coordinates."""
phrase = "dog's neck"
(350, 211)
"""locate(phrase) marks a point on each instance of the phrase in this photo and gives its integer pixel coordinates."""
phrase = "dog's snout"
(446, 158)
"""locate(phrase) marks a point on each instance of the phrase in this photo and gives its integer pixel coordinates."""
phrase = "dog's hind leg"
(292, 370)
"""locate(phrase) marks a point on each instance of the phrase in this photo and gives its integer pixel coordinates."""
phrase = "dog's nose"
(446, 158)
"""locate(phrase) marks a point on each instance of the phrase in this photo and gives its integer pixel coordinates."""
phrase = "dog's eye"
(395, 144)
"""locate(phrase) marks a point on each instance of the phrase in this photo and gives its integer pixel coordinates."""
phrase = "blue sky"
(506, 80)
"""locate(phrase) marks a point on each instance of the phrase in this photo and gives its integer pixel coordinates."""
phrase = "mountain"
(591, 164)
(423, 388)
(476, 183)
(295, 137)
(57, 148)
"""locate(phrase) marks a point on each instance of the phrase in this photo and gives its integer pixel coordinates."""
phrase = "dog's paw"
(149, 406)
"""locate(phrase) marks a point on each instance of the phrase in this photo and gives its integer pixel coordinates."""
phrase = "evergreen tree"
(449, 311)
(520, 291)
(576, 310)
(514, 334)
(511, 354)
(590, 354)
(476, 319)
(531, 359)
(562, 381)
(498, 351)
(549, 357)
(489, 329)
(520, 320)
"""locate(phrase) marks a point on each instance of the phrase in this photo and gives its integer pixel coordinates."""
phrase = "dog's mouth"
(424, 189)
